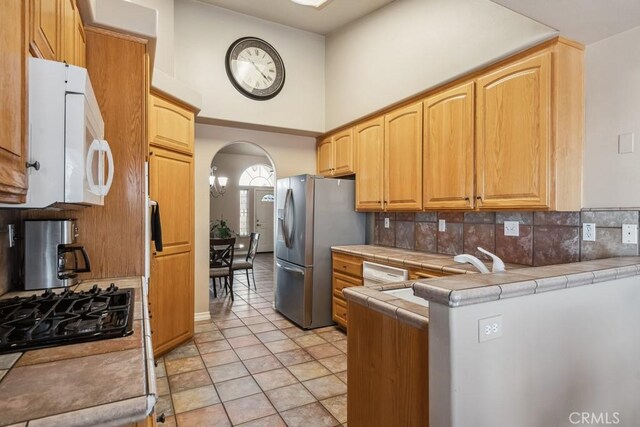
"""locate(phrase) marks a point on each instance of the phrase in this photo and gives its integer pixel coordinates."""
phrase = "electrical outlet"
(512, 228)
(386, 223)
(442, 225)
(589, 232)
(490, 328)
(630, 234)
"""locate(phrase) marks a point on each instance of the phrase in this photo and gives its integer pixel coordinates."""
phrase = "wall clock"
(255, 68)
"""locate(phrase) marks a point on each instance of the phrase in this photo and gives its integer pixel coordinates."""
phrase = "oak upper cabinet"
(45, 31)
(448, 149)
(369, 141)
(57, 31)
(403, 158)
(336, 154)
(514, 135)
(325, 157)
(13, 96)
(171, 125)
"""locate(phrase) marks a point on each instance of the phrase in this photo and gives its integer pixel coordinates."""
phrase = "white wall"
(164, 44)
(412, 45)
(227, 206)
(203, 33)
(574, 349)
(291, 155)
(612, 108)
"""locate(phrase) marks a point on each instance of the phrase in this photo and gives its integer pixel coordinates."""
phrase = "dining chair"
(221, 263)
(246, 262)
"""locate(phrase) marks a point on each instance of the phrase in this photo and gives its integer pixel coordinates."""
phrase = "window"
(257, 176)
(244, 212)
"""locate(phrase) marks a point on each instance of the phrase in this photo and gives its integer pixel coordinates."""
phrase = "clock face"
(255, 68)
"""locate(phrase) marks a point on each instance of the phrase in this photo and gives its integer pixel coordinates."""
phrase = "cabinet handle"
(35, 165)
(161, 418)
(479, 198)
(467, 199)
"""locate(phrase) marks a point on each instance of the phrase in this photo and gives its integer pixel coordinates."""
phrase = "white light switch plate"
(442, 225)
(589, 232)
(512, 228)
(489, 328)
(625, 143)
(630, 234)
(386, 223)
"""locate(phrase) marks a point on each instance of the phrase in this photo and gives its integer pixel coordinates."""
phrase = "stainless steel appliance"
(314, 214)
(52, 259)
(69, 317)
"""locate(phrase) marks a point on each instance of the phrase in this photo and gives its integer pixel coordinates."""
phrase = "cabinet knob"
(479, 198)
(161, 418)
(35, 165)
(467, 199)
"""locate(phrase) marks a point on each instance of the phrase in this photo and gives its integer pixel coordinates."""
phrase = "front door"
(263, 218)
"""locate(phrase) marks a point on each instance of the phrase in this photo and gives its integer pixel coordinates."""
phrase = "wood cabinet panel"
(343, 158)
(325, 157)
(68, 33)
(14, 100)
(369, 140)
(340, 312)
(403, 156)
(348, 264)
(448, 168)
(514, 135)
(341, 281)
(387, 371)
(45, 29)
(170, 125)
(171, 298)
(81, 41)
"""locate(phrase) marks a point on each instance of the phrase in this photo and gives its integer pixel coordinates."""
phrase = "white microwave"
(70, 163)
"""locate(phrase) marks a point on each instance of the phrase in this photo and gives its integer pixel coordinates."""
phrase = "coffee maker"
(51, 257)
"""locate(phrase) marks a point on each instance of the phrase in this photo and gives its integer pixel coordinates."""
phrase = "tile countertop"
(106, 382)
(458, 290)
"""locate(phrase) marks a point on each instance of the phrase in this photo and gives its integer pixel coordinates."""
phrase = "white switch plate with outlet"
(386, 223)
(442, 225)
(589, 232)
(490, 328)
(630, 234)
(512, 228)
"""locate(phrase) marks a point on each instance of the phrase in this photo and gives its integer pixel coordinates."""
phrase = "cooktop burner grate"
(69, 317)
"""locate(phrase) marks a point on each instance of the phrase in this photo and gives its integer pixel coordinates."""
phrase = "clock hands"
(259, 70)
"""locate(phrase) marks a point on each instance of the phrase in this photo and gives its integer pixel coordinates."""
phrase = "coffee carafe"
(52, 259)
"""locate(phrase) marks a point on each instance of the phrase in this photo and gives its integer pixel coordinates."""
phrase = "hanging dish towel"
(156, 227)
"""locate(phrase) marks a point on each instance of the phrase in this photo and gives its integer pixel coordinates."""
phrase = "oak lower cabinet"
(530, 116)
(448, 162)
(171, 286)
(13, 96)
(403, 158)
(369, 141)
(387, 370)
(347, 271)
(335, 154)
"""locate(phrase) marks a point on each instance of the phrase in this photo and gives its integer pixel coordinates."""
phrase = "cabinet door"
(343, 152)
(403, 154)
(513, 135)
(68, 33)
(369, 138)
(80, 41)
(170, 125)
(171, 281)
(45, 29)
(13, 96)
(325, 157)
(448, 149)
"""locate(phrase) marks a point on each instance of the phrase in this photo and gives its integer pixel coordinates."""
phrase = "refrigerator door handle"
(286, 232)
(289, 269)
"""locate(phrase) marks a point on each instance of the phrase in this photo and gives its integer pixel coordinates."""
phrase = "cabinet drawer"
(340, 311)
(348, 265)
(341, 281)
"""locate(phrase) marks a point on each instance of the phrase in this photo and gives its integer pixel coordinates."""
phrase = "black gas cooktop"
(69, 317)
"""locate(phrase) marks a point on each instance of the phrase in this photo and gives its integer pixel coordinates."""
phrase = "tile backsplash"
(545, 237)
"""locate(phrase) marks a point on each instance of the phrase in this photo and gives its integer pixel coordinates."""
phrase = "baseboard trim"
(205, 315)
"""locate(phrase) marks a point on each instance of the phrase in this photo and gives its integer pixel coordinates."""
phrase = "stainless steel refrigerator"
(314, 213)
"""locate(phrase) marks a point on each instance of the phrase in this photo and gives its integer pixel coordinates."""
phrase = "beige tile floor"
(250, 366)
